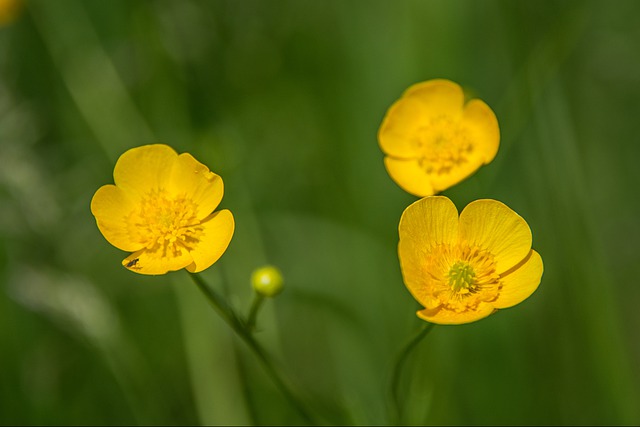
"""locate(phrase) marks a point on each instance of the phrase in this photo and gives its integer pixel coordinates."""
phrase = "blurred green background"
(283, 99)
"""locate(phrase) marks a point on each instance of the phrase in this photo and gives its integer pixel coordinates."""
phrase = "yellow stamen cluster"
(463, 276)
(443, 145)
(166, 224)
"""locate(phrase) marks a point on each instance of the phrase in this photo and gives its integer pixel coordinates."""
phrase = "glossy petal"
(156, 262)
(218, 231)
(111, 207)
(397, 134)
(482, 125)
(144, 168)
(424, 224)
(429, 221)
(438, 96)
(445, 180)
(415, 273)
(194, 180)
(409, 176)
(493, 226)
(448, 317)
(520, 282)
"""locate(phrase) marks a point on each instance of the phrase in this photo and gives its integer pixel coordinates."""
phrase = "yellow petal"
(520, 282)
(426, 223)
(448, 317)
(194, 180)
(400, 127)
(482, 126)
(493, 226)
(144, 168)
(218, 231)
(409, 176)
(438, 96)
(442, 181)
(429, 221)
(111, 207)
(157, 262)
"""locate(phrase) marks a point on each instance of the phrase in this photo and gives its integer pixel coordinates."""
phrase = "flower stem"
(253, 312)
(243, 331)
(397, 370)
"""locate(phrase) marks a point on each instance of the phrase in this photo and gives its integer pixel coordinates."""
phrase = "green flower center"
(462, 277)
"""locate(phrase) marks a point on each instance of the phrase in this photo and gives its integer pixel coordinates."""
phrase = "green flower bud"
(267, 281)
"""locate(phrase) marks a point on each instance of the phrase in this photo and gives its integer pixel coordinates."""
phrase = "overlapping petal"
(193, 180)
(111, 207)
(397, 134)
(217, 234)
(493, 226)
(143, 168)
(447, 179)
(438, 96)
(482, 125)
(520, 282)
(158, 261)
(428, 222)
(449, 317)
(409, 175)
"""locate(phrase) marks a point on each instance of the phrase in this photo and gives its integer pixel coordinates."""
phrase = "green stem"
(397, 370)
(253, 312)
(241, 329)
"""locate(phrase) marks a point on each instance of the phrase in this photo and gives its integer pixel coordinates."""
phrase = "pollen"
(166, 224)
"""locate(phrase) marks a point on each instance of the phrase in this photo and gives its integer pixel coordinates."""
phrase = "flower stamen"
(443, 144)
(167, 224)
(462, 277)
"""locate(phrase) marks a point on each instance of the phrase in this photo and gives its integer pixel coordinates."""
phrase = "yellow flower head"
(463, 269)
(433, 140)
(161, 209)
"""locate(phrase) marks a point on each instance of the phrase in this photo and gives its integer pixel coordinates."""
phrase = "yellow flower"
(463, 269)
(161, 209)
(433, 140)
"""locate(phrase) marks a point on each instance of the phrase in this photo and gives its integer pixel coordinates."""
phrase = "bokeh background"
(283, 99)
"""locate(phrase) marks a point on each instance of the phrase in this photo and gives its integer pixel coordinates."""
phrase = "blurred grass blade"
(90, 76)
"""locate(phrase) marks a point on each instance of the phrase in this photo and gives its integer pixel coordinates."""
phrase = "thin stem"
(253, 312)
(241, 329)
(397, 370)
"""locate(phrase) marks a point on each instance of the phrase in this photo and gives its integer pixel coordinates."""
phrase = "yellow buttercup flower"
(433, 140)
(161, 208)
(462, 269)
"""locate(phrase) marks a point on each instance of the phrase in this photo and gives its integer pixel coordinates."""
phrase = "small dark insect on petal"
(132, 263)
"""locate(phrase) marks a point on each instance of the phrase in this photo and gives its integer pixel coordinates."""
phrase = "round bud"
(267, 281)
